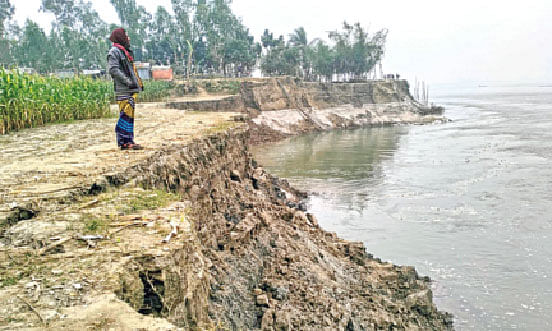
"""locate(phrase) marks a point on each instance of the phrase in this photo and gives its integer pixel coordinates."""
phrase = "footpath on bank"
(189, 233)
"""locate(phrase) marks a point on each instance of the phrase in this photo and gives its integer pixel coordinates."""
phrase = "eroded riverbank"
(191, 231)
(466, 202)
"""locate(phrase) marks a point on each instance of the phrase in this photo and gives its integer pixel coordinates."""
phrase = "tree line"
(354, 54)
(203, 35)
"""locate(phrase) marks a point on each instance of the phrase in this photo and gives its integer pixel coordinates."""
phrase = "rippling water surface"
(468, 203)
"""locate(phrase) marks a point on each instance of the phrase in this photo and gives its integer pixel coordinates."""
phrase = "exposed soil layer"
(281, 107)
(190, 233)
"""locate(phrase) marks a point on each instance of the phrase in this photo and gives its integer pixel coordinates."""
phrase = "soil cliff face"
(244, 255)
(258, 261)
(280, 107)
(272, 267)
(289, 93)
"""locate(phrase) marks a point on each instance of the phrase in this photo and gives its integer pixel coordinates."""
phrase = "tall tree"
(200, 23)
(218, 38)
(163, 45)
(6, 12)
(56, 51)
(356, 52)
(137, 22)
(230, 43)
(33, 47)
(323, 58)
(299, 40)
(82, 32)
(281, 59)
(94, 31)
(366, 50)
(267, 39)
(183, 35)
(342, 49)
(64, 10)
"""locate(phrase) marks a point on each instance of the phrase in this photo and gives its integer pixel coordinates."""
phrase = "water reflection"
(346, 155)
(345, 158)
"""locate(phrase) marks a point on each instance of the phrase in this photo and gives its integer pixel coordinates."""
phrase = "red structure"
(162, 73)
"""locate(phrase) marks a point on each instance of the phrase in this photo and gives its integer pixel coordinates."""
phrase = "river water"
(468, 202)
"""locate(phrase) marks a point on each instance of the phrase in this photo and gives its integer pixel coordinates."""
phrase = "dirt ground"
(46, 169)
(52, 160)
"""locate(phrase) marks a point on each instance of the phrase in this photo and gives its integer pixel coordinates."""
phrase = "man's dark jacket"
(122, 72)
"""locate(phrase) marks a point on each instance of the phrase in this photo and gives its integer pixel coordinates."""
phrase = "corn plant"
(31, 100)
(156, 91)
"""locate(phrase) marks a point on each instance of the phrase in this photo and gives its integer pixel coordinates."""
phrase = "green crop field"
(156, 91)
(32, 100)
(28, 101)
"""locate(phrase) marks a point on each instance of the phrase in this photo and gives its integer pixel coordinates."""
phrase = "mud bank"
(191, 234)
(285, 107)
(281, 107)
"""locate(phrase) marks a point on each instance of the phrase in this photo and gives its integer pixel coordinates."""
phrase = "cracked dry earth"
(64, 240)
(55, 161)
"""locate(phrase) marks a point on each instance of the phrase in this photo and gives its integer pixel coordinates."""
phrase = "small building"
(162, 73)
(144, 70)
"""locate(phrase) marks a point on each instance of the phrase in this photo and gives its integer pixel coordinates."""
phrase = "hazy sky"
(435, 40)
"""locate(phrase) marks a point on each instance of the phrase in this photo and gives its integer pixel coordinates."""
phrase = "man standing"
(127, 85)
